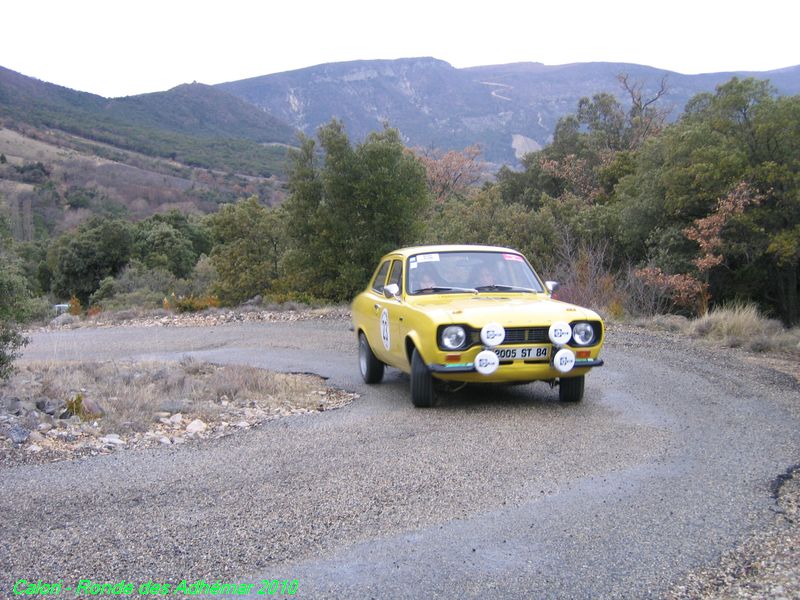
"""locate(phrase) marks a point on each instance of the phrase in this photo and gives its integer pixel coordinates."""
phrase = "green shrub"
(40, 309)
(195, 304)
(290, 301)
(11, 341)
(141, 298)
(15, 308)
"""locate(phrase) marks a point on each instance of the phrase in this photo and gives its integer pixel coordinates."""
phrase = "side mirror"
(391, 291)
(552, 286)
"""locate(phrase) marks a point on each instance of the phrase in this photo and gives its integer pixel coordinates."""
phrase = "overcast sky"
(124, 47)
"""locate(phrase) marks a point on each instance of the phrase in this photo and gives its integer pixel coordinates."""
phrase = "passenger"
(422, 278)
(485, 277)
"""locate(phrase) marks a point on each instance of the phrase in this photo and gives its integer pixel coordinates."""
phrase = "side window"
(380, 277)
(396, 276)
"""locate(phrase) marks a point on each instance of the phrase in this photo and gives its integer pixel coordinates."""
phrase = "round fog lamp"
(583, 334)
(486, 362)
(560, 333)
(453, 337)
(564, 360)
(493, 334)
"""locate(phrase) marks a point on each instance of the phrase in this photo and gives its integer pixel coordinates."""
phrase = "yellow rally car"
(471, 314)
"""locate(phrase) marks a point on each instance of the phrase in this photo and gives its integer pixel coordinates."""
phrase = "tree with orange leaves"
(451, 173)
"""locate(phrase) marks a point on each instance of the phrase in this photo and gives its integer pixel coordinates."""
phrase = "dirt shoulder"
(61, 409)
(787, 363)
(208, 318)
(766, 565)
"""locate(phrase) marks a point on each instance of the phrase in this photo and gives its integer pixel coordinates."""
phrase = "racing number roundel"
(387, 340)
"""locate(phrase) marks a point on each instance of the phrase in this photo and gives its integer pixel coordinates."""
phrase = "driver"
(483, 277)
(422, 278)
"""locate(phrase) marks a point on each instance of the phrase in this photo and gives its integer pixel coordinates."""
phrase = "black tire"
(422, 395)
(371, 368)
(571, 389)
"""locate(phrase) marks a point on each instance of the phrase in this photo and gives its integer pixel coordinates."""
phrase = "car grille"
(526, 335)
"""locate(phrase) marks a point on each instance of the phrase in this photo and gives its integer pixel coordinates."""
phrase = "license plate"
(522, 352)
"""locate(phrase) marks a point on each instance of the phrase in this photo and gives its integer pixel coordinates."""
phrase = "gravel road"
(669, 462)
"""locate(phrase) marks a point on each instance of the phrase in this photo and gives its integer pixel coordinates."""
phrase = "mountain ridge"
(195, 124)
(435, 104)
(508, 109)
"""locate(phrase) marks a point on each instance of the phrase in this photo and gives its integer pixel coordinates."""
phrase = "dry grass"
(131, 394)
(19, 148)
(732, 326)
(742, 325)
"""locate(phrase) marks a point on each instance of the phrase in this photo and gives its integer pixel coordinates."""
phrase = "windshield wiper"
(496, 287)
(438, 290)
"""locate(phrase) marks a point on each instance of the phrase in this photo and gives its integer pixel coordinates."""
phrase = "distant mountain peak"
(507, 108)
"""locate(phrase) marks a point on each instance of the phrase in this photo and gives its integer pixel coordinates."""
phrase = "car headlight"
(583, 334)
(453, 337)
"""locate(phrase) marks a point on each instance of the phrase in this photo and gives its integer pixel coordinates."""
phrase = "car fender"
(414, 340)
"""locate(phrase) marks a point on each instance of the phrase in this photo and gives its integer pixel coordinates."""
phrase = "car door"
(394, 311)
(372, 321)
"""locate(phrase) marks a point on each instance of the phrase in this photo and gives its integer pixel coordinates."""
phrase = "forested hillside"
(68, 155)
(194, 125)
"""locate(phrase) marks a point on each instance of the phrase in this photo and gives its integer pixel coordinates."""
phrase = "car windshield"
(470, 272)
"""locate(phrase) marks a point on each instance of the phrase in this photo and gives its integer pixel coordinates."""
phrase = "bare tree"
(645, 119)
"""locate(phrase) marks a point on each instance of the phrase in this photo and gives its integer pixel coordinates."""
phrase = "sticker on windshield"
(516, 257)
(427, 258)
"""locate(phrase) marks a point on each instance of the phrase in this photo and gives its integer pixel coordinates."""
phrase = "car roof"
(411, 250)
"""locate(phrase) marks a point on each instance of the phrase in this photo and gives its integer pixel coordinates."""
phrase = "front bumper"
(513, 371)
(470, 367)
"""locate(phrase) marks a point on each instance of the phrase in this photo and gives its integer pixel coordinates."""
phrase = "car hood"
(508, 310)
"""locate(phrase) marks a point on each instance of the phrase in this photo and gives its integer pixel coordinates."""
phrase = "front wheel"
(371, 368)
(421, 382)
(571, 389)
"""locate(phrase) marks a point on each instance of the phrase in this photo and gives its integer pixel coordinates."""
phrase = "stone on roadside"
(254, 301)
(196, 426)
(90, 430)
(62, 319)
(91, 409)
(33, 418)
(36, 437)
(10, 405)
(112, 439)
(17, 434)
(176, 419)
(49, 406)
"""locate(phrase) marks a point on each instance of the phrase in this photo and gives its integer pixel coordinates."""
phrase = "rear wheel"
(571, 389)
(421, 382)
(371, 367)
